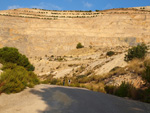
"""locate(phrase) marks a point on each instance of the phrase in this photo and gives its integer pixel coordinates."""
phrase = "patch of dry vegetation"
(99, 83)
(131, 81)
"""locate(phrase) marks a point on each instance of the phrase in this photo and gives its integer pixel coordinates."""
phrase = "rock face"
(40, 37)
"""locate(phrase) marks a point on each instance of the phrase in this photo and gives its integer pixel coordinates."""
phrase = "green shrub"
(9, 66)
(33, 78)
(2, 61)
(30, 67)
(54, 81)
(16, 78)
(83, 80)
(138, 51)
(110, 89)
(79, 45)
(10, 54)
(126, 90)
(75, 84)
(110, 53)
(146, 74)
(146, 95)
(123, 90)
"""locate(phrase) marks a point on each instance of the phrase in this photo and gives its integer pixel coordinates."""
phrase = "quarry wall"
(39, 37)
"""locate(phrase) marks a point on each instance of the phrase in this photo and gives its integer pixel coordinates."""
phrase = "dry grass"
(95, 87)
(117, 72)
(147, 61)
(136, 66)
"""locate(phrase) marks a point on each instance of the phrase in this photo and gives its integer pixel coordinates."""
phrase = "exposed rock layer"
(39, 37)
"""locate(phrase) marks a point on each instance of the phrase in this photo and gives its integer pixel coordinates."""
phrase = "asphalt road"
(57, 99)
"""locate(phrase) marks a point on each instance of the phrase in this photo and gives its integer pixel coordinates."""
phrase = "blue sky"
(72, 4)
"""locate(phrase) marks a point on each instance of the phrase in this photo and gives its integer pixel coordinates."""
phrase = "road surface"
(58, 99)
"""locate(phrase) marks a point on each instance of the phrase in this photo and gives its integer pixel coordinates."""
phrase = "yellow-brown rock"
(40, 36)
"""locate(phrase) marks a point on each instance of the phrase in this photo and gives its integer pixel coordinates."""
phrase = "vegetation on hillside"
(10, 54)
(139, 66)
(16, 78)
(146, 73)
(110, 53)
(17, 71)
(138, 51)
(79, 45)
(97, 83)
(128, 90)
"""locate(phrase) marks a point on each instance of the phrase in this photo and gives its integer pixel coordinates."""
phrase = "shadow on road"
(74, 100)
